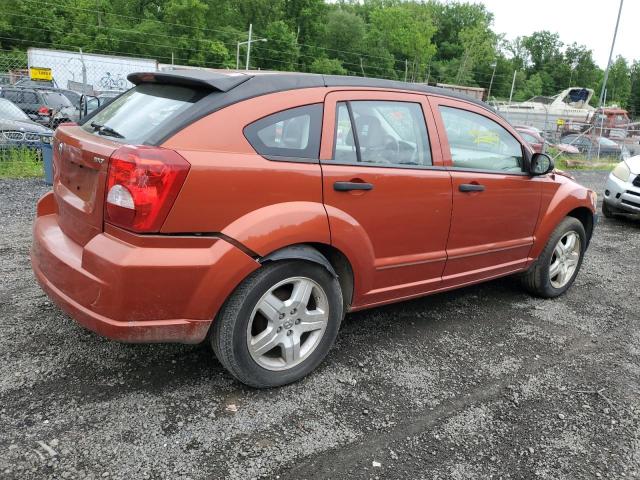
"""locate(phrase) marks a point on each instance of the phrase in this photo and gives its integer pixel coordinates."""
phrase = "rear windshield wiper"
(107, 131)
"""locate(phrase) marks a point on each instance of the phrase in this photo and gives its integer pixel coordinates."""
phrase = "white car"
(622, 191)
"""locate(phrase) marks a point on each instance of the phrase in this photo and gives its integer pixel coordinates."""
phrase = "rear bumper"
(166, 291)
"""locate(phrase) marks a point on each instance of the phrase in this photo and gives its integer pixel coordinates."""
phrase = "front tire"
(607, 211)
(279, 324)
(559, 263)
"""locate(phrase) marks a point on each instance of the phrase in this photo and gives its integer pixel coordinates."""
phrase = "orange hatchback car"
(253, 210)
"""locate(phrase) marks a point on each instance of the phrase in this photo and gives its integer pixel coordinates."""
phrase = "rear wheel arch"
(332, 259)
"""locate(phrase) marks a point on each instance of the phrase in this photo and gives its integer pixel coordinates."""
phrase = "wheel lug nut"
(279, 329)
(281, 316)
(289, 332)
(297, 321)
(293, 311)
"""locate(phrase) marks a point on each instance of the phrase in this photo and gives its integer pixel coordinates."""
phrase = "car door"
(386, 191)
(495, 202)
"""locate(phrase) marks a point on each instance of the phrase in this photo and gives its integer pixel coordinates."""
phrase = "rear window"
(141, 111)
(56, 100)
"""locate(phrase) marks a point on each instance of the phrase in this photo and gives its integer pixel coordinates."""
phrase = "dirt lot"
(485, 382)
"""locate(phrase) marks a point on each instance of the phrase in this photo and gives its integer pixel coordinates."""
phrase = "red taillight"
(142, 185)
(44, 110)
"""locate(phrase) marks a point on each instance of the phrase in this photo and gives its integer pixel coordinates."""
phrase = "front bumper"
(167, 291)
(622, 196)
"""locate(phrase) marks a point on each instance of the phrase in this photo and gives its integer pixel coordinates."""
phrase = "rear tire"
(559, 263)
(267, 334)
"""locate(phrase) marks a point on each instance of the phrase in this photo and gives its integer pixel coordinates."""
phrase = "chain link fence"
(42, 88)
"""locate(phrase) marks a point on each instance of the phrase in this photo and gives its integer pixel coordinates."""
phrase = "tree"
(634, 96)
(619, 83)
(406, 31)
(343, 38)
(328, 66)
(280, 51)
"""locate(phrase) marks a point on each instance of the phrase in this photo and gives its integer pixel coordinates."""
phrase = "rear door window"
(386, 133)
(293, 133)
(142, 111)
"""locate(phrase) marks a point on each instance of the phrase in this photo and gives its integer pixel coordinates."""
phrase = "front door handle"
(348, 186)
(471, 187)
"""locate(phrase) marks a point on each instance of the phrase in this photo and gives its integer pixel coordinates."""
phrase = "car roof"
(260, 83)
(227, 87)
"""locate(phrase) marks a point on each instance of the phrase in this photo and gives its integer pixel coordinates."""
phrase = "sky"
(587, 22)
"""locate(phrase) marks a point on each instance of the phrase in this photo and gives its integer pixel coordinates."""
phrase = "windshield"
(528, 137)
(142, 110)
(607, 143)
(56, 100)
(8, 111)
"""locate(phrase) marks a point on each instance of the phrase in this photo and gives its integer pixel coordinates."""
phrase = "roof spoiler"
(191, 78)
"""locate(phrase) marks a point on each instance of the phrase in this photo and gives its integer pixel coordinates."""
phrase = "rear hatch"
(80, 162)
(82, 152)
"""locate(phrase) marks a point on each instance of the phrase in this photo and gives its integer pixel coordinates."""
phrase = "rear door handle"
(471, 187)
(348, 186)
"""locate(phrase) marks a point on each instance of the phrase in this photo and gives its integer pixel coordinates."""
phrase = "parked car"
(588, 144)
(47, 107)
(90, 103)
(254, 210)
(534, 139)
(622, 191)
(17, 129)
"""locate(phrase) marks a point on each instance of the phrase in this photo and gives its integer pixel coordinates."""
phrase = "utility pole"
(249, 46)
(513, 84)
(613, 43)
(362, 68)
(84, 68)
(495, 64)
(406, 67)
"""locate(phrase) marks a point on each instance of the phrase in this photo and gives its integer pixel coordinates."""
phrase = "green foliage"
(329, 66)
(20, 163)
(446, 42)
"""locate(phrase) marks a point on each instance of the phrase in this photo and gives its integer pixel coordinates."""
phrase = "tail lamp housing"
(142, 185)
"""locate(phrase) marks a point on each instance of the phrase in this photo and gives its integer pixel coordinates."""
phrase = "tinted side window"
(12, 95)
(291, 133)
(29, 97)
(386, 133)
(479, 143)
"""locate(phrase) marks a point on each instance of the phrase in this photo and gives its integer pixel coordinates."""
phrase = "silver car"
(622, 191)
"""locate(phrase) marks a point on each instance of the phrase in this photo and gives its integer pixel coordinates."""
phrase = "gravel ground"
(484, 382)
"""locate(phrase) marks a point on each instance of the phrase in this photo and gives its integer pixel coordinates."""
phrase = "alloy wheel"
(287, 323)
(564, 260)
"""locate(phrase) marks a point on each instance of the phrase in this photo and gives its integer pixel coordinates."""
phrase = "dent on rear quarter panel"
(559, 197)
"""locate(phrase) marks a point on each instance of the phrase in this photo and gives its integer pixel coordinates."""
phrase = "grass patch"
(582, 162)
(20, 163)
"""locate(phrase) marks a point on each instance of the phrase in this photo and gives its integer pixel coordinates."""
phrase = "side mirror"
(541, 164)
(88, 104)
